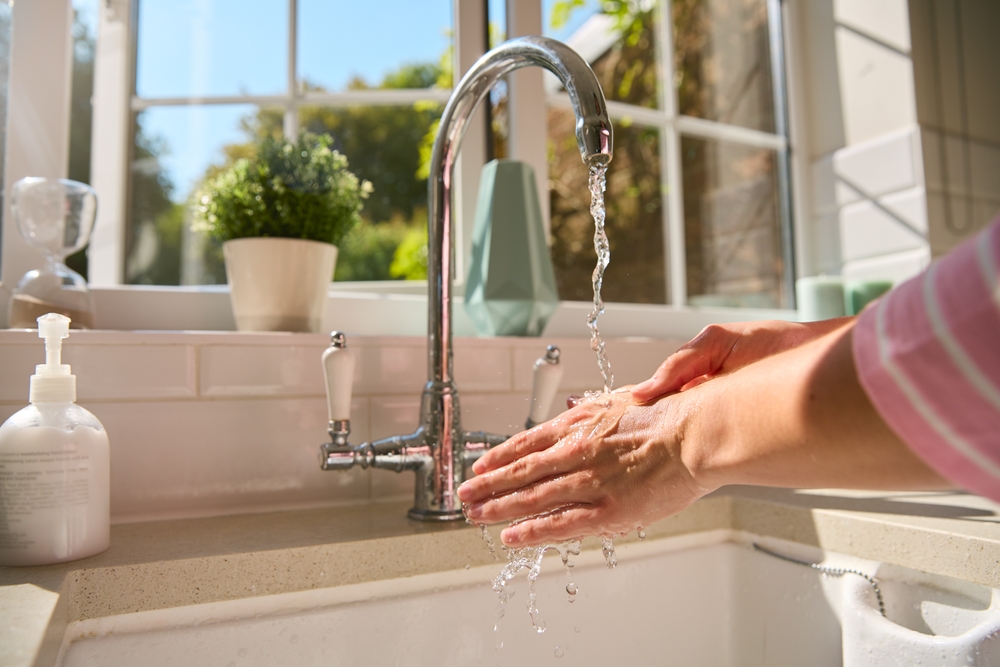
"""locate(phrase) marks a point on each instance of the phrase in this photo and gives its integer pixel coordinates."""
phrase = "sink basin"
(703, 599)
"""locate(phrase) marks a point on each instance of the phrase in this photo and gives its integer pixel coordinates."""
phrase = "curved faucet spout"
(593, 135)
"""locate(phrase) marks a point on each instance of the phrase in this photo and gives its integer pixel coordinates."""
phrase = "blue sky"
(234, 47)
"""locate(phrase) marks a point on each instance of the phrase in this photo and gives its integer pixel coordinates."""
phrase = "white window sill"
(358, 309)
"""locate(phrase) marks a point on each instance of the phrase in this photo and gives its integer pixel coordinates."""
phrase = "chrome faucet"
(439, 451)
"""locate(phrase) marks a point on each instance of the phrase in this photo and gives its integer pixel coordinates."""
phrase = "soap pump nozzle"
(52, 381)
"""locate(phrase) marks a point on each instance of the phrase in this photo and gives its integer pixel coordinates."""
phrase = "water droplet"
(642, 533)
(243, 652)
(560, 652)
(571, 589)
(576, 628)
(608, 546)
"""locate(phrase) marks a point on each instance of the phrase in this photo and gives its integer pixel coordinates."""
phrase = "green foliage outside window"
(285, 189)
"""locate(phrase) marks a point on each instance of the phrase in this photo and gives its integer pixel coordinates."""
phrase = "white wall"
(901, 132)
(867, 210)
(957, 64)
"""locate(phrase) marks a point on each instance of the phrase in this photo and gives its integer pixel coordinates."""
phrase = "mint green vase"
(511, 287)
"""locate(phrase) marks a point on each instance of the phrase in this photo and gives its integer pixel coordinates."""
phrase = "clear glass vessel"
(56, 217)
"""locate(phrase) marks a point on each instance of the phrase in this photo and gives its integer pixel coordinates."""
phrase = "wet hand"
(607, 465)
(723, 348)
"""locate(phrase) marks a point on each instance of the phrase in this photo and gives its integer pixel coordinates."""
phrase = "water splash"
(598, 172)
(567, 549)
(608, 547)
(487, 538)
(526, 558)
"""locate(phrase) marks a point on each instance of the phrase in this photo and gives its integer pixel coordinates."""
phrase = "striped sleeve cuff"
(928, 357)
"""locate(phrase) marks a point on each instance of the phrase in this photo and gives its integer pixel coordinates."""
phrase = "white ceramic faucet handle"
(338, 366)
(545, 382)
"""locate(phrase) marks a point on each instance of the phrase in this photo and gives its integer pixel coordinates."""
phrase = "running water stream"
(530, 558)
(598, 180)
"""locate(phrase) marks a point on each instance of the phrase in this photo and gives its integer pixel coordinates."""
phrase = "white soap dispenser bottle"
(55, 468)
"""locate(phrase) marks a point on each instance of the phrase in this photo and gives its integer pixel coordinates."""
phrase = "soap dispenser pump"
(55, 478)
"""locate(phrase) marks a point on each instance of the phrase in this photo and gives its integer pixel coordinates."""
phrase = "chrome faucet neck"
(439, 451)
(593, 135)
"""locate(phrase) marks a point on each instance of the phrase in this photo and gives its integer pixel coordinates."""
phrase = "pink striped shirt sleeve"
(928, 356)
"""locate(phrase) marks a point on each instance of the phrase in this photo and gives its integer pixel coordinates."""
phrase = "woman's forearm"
(798, 419)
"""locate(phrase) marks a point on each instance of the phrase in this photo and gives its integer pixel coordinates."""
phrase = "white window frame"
(136, 307)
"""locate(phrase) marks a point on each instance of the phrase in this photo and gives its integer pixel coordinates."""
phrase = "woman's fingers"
(533, 499)
(564, 523)
(702, 356)
(533, 440)
(527, 442)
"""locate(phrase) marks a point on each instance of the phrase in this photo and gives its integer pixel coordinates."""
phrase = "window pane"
(357, 45)
(634, 224)
(731, 224)
(617, 38)
(389, 146)
(723, 63)
(188, 48)
(173, 149)
(85, 13)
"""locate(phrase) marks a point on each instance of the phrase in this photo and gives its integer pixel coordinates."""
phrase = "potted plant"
(280, 215)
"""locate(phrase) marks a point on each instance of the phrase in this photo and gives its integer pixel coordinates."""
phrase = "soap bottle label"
(54, 499)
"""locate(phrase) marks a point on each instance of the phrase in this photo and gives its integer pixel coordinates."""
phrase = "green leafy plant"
(286, 189)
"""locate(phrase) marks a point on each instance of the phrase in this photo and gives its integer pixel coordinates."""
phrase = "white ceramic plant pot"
(279, 284)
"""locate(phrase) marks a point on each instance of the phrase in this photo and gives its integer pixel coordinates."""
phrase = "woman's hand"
(798, 418)
(608, 465)
(723, 348)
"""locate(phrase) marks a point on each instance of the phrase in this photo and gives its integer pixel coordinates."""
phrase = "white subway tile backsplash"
(396, 367)
(482, 365)
(233, 424)
(224, 456)
(106, 372)
(17, 363)
(503, 414)
(631, 362)
(116, 372)
(887, 225)
(261, 370)
(580, 371)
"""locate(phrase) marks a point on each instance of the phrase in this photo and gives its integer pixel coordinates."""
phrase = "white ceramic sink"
(706, 599)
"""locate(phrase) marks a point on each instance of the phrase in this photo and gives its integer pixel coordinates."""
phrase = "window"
(698, 209)
(698, 189)
(212, 77)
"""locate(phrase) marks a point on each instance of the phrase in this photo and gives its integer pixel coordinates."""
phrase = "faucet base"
(432, 515)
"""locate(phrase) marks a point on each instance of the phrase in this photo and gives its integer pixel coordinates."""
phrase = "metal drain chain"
(832, 571)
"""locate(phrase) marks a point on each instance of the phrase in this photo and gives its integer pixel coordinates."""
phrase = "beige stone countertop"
(168, 564)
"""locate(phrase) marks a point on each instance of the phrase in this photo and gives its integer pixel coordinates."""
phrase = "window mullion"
(111, 142)
(776, 39)
(291, 124)
(670, 152)
(470, 43)
(526, 109)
